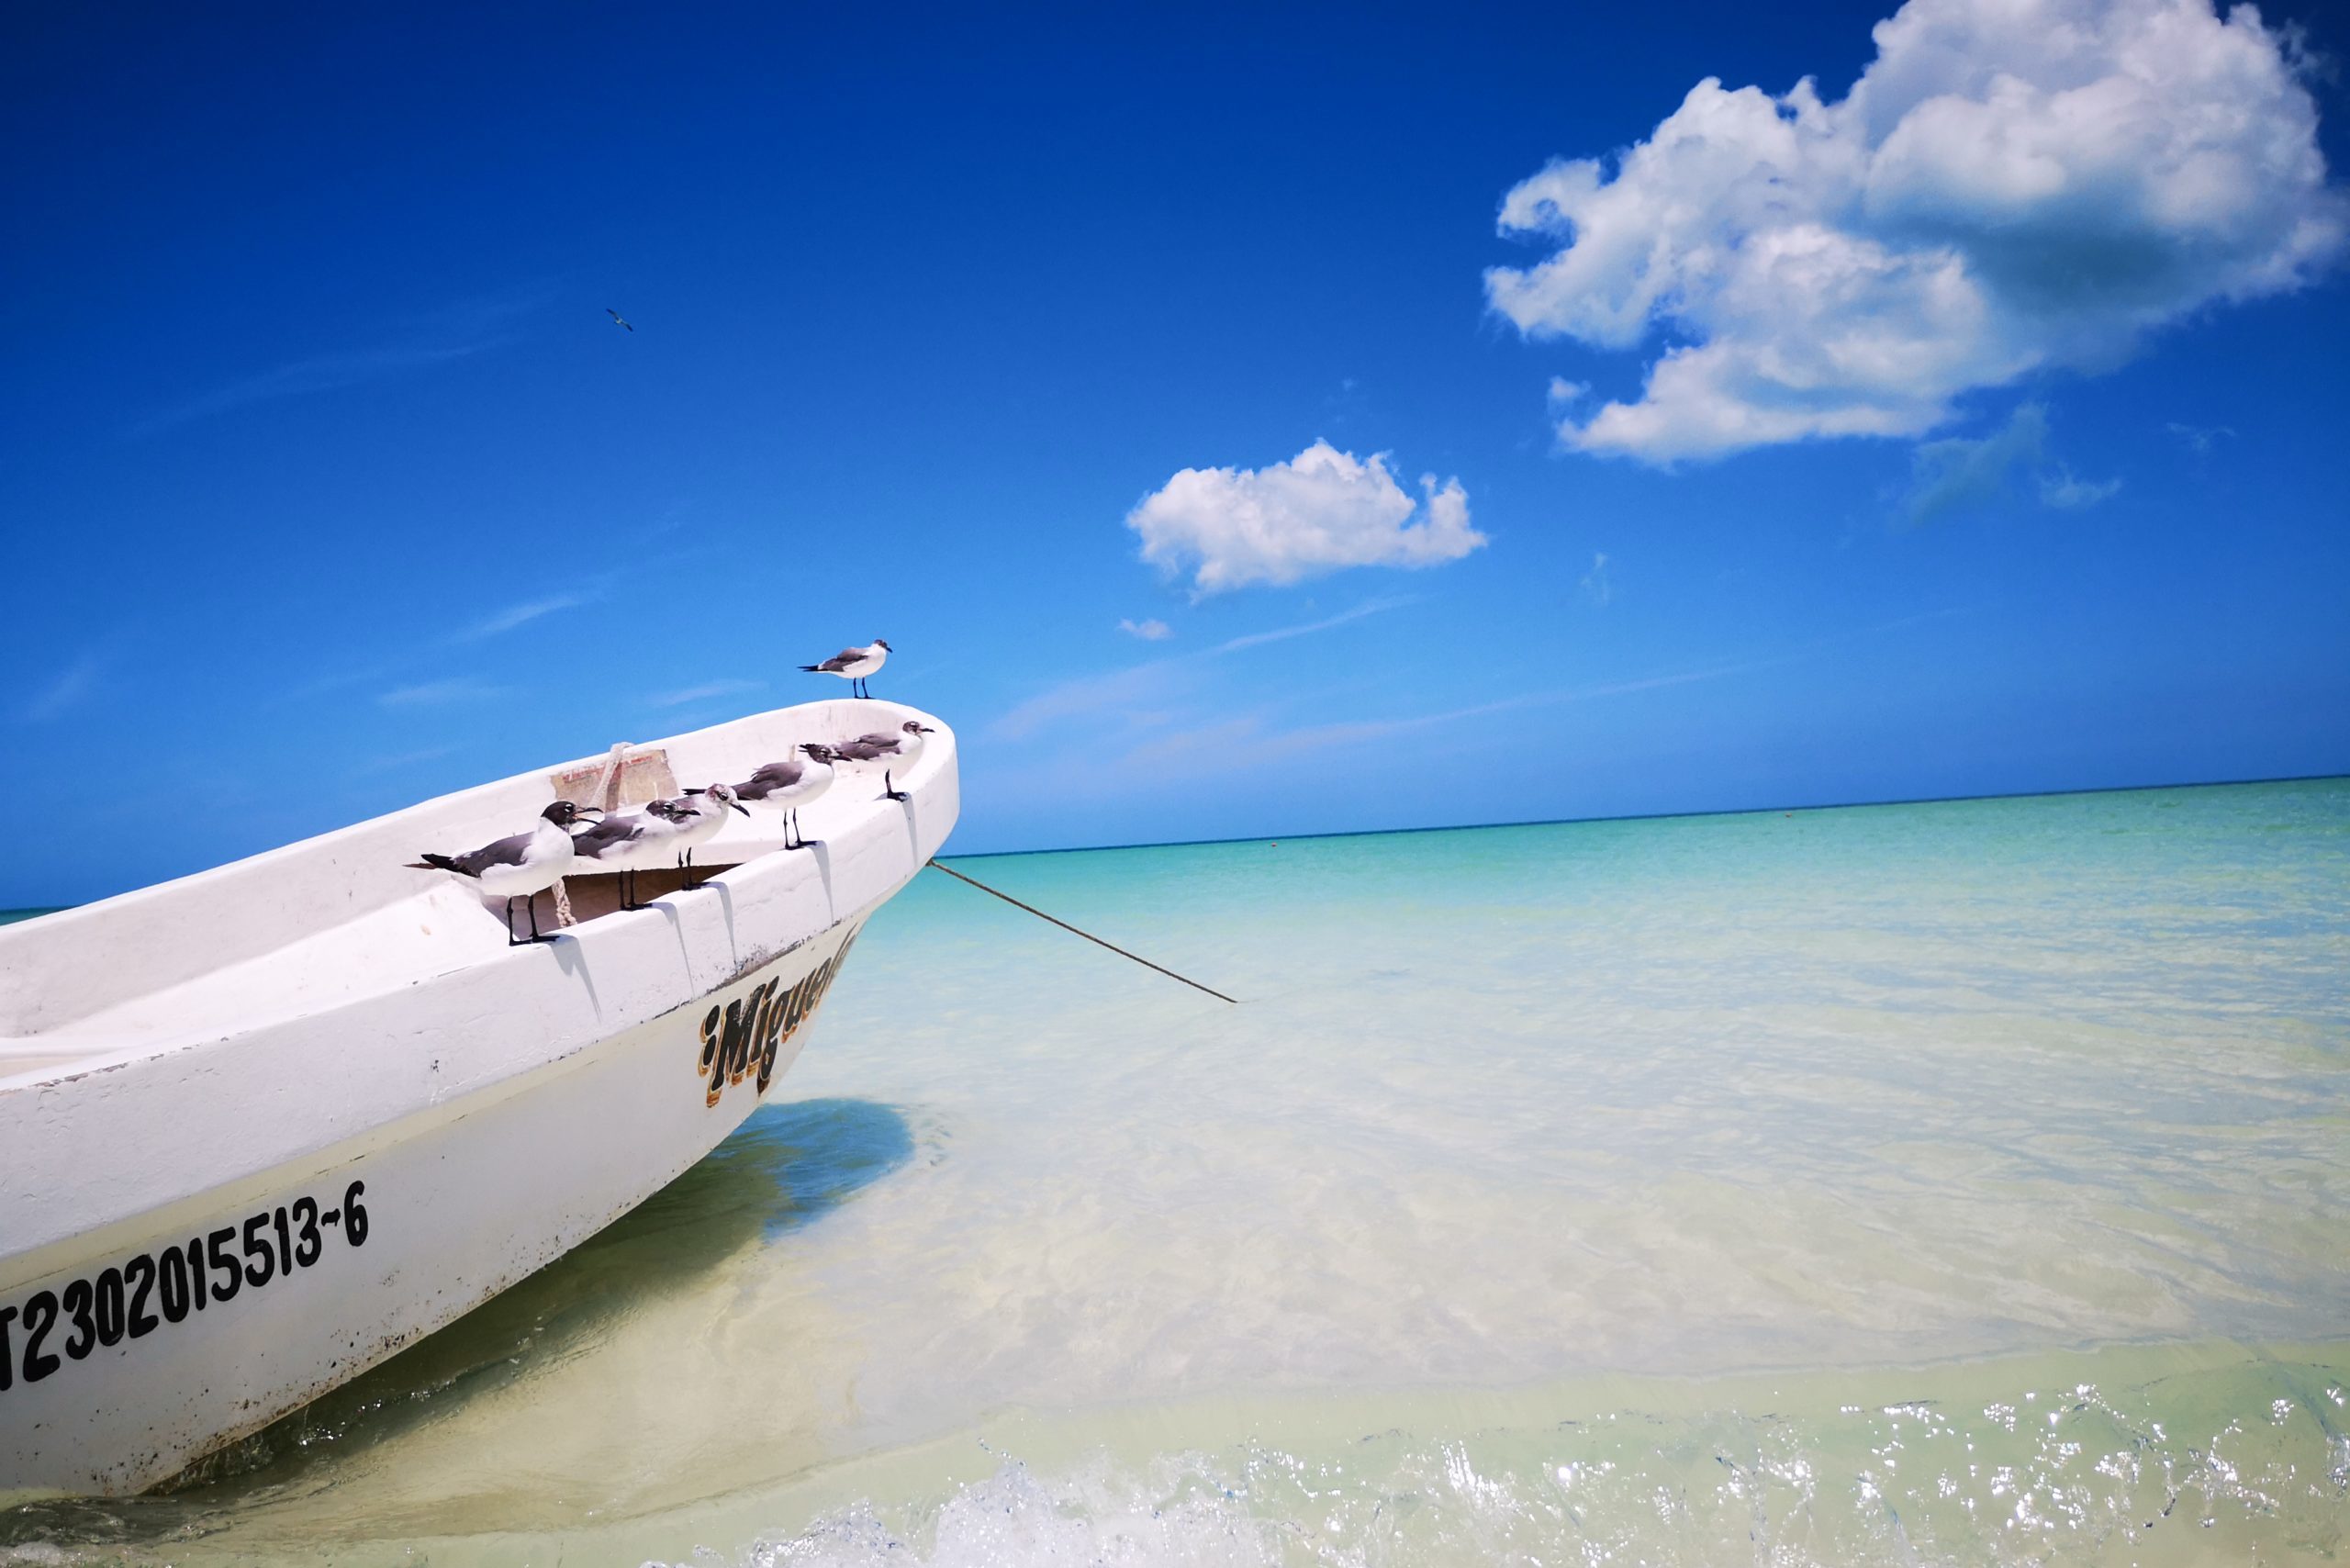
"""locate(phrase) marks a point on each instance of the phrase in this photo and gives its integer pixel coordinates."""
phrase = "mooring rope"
(1065, 926)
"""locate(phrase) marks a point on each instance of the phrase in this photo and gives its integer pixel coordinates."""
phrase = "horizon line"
(37, 910)
(1660, 816)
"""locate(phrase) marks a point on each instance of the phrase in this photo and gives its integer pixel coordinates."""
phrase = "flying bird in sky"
(618, 319)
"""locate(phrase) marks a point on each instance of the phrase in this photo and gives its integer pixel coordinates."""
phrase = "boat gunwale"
(77, 1059)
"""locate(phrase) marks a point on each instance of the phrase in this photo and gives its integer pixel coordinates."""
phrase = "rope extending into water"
(1065, 926)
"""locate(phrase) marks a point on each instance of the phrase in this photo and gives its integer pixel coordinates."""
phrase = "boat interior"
(348, 914)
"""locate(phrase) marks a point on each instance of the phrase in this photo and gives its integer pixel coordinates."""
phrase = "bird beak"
(741, 808)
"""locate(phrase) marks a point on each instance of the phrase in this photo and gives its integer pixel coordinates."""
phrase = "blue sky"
(1909, 441)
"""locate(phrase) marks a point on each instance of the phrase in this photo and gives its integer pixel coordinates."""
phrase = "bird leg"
(890, 790)
(511, 941)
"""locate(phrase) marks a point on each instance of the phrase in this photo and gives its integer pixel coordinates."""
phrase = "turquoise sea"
(1947, 1183)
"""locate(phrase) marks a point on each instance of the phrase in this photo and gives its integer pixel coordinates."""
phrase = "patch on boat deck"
(641, 776)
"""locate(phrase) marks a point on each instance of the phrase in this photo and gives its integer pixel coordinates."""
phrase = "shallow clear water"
(1958, 1182)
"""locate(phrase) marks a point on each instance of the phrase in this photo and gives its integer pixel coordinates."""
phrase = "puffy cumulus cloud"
(2012, 185)
(1322, 510)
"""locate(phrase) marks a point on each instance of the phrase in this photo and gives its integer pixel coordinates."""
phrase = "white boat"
(263, 1127)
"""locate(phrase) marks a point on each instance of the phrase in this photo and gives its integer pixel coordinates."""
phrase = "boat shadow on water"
(786, 1168)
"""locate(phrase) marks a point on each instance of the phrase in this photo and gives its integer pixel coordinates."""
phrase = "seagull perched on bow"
(852, 664)
(788, 785)
(520, 866)
(901, 750)
(618, 319)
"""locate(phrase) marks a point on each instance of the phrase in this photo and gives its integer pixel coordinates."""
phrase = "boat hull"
(168, 1369)
(198, 1240)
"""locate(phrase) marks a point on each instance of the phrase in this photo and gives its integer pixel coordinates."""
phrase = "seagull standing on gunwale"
(630, 842)
(893, 752)
(788, 785)
(852, 664)
(707, 809)
(520, 866)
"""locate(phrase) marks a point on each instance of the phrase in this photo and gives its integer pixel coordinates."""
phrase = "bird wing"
(505, 852)
(608, 836)
(769, 777)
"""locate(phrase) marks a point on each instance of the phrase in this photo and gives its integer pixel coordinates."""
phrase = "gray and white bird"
(902, 750)
(708, 808)
(630, 842)
(788, 785)
(852, 664)
(618, 319)
(520, 866)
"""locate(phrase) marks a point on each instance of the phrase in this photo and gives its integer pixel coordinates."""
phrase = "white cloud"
(326, 375)
(1962, 472)
(1149, 631)
(1283, 634)
(441, 693)
(1959, 473)
(1141, 693)
(74, 684)
(704, 693)
(515, 615)
(1596, 585)
(1322, 510)
(2063, 490)
(2012, 185)
(399, 761)
(2201, 439)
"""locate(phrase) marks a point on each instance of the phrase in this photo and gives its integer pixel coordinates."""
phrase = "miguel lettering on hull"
(748, 1031)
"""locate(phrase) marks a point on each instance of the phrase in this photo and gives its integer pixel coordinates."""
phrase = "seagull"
(893, 752)
(707, 807)
(520, 866)
(631, 842)
(789, 784)
(618, 319)
(852, 664)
